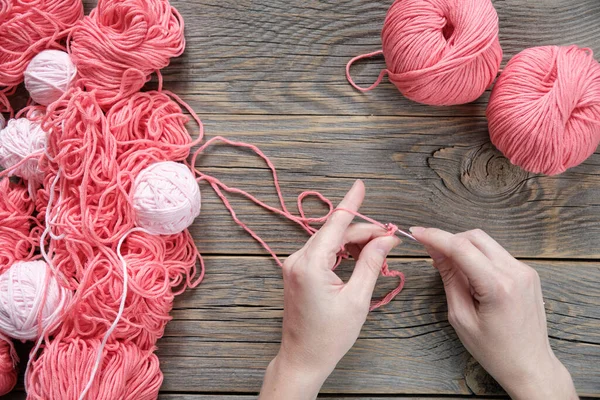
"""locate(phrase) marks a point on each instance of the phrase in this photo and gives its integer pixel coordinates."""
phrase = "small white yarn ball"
(19, 139)
(49, 75)
(22, 289)
(166, 198)
(2, 122)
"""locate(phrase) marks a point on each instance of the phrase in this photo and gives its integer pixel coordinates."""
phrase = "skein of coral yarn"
(121, 43)
(8, 361)
(439, 52)
(544, 111)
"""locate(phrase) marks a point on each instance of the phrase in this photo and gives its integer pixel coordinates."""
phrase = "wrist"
(287, 379)
(552, 382)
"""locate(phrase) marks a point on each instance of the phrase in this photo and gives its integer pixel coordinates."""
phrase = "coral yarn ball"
(166, 198)
(49, 75)
(544, 111)
(8, 372)
(22, 291)
(442, 52)
(19, 139)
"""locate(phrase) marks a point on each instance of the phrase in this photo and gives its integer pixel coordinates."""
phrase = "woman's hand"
(323, 315)
(495, 304)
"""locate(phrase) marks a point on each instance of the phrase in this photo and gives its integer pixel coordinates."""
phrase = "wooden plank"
(225, 332)
(419, 171)
(289, 56)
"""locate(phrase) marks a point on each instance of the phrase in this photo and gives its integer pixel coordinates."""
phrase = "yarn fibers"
(49, 75)
(544, 111)
(121, 43)
(439, 52)
(29, 295)
(166, 198)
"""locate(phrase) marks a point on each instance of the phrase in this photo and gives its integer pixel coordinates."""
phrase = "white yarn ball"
(19, 139)
(22, 289)
(166, 198)
(2, 122)
(49, 75)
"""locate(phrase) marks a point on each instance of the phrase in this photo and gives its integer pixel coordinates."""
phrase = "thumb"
(368, 266)
(447, 249)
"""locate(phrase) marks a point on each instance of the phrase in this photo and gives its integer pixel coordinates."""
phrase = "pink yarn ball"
(64, 367)
(166, 198)
(544, 111)
(19, 139)
(22, 288)
(49, 75)
(442, 52)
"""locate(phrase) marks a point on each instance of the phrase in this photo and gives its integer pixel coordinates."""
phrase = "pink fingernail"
(416, 230)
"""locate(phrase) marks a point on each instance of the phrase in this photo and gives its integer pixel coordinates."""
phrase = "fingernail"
(415, 230)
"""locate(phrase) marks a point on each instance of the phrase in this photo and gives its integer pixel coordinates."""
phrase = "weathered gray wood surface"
(289, 57)
(272, 73)
(225, 332)
(418, 171)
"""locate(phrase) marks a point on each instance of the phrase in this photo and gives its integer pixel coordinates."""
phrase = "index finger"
(331, 236)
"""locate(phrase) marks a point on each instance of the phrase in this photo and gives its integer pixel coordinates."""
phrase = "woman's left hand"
(323, 315)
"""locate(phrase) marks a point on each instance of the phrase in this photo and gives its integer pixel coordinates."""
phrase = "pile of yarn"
(94, 241)
(544, 110)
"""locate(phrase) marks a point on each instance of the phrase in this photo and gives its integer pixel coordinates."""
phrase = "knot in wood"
(486, 173)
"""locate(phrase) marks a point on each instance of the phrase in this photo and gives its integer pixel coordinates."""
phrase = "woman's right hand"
(495, 304)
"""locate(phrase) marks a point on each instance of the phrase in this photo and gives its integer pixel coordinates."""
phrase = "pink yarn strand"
(304, 222)
(117, 318)
(362, 57)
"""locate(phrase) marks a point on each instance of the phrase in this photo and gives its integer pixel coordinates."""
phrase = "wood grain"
(225, 332)
(289, 56)
(419, 171)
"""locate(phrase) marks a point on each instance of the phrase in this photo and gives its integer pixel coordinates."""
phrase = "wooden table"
(271, 72)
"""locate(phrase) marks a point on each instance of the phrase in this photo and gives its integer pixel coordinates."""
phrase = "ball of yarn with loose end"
(49, 75)
(8, 372)
(166, 198)
(26, 294)
(441, 52)
(544, 111)
(19, 139)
